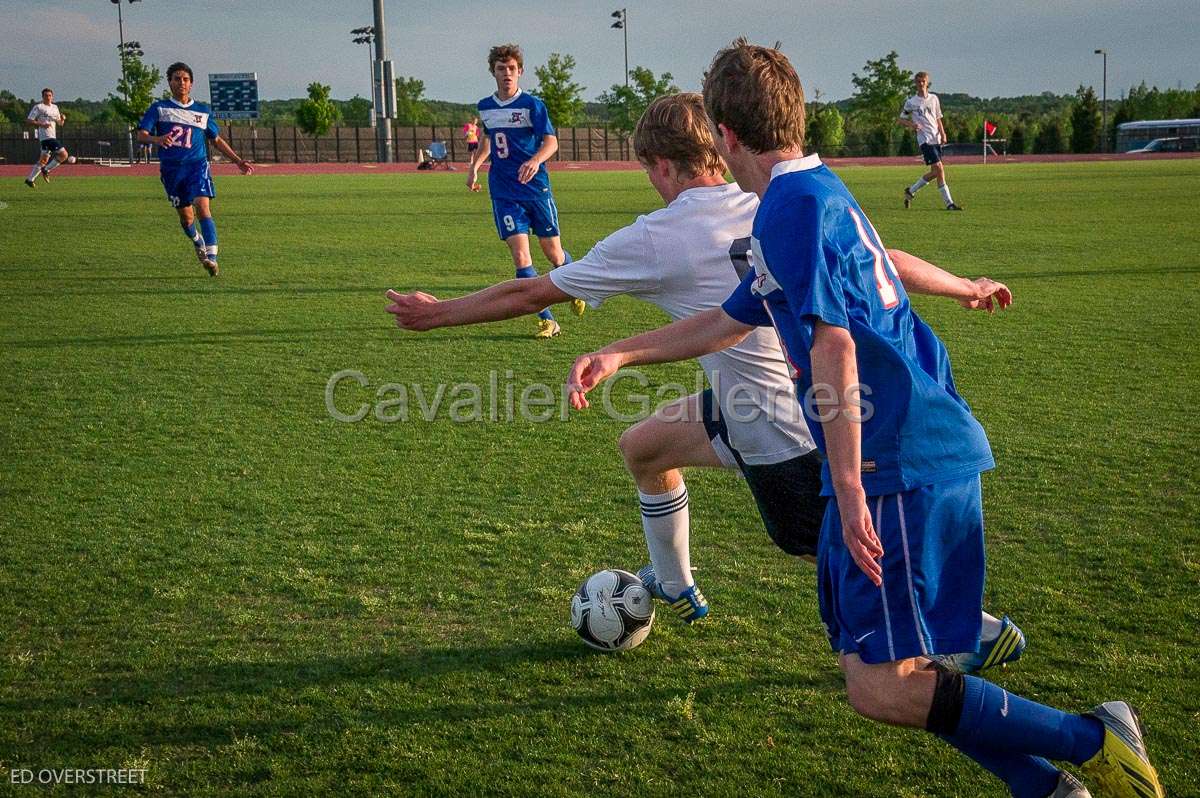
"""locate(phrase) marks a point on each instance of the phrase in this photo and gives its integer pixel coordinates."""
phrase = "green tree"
(560, 94)
(410, 102)
(1051, 136)
(626, 104)
(11, 108)
(1085, 121)
(826, 131)
(356, 111)
(136, 90)
(318, 113)
(879, 95)
(1016, 139)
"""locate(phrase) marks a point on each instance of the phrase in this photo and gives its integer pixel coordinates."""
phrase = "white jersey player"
(686, 258)
(45, 117)
(922, 113)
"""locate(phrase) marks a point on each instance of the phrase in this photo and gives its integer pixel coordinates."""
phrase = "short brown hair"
(755, 92)
(921, 75)
(674, 128)
(503, 52)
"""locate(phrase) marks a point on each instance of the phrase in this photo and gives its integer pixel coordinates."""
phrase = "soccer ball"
(612, 610)
(70, 159)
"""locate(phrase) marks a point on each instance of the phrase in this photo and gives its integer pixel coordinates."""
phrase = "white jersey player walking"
(922, 113)
(687, 258)
(45, 117)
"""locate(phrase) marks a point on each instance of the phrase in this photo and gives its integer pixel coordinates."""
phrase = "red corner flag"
(988, 128)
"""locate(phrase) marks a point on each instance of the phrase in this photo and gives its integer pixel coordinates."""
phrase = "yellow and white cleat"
(1122, 766)
(547, 328)
(578, 306)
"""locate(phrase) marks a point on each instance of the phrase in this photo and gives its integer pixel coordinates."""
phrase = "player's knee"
(877, 694)
(638, 456)
(864, 698)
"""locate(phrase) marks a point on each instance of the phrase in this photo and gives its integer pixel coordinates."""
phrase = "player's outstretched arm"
(836, 391)
(419, 311)
(242, 164)
(922, 277)
(702, 334)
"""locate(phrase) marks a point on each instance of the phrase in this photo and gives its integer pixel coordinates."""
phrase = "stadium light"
(1104, 104)
(366, 35)
(124, 53)
(622, 24)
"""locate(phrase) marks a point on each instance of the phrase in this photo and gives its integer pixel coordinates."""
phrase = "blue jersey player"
(520, 138)
(182, 128)
(900, 557)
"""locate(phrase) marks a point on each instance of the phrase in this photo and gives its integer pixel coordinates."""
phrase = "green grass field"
(207, 576)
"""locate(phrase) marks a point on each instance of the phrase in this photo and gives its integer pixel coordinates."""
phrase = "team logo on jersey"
(764, 282)
(198, 118)
(494, 118)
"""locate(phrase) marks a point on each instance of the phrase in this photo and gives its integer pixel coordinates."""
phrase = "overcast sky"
(985, 49)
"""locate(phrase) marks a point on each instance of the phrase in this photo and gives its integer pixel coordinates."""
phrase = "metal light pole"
(622, 24)
(124, 52)
(1104, 104)
(385, 95)
(367, 36)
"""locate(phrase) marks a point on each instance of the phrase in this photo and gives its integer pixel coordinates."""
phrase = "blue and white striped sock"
(189, 230)
(666, 523)
(208, 229)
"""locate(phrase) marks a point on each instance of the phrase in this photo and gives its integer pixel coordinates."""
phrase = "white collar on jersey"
(503, 103)
(796, 165)
(190, 103)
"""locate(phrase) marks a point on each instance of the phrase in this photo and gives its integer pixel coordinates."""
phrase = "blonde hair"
(755, 92)
(675, 128)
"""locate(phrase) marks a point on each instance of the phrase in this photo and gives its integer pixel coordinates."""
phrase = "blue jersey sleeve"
(542, 126)
(742, 305)
(796, 254)
(213, 129)
(149, 118)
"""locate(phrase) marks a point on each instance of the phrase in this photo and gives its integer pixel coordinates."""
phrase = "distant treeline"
(1045, 122)
(355, 111)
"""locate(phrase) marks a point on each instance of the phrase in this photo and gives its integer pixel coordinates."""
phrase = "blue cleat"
(690, 605)
(1006, 647)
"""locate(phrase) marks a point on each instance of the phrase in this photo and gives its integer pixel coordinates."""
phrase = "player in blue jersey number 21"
(520, 138)
(181, 128)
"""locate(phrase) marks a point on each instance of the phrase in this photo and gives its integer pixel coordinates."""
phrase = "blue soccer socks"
(996, 719)
(208, 229)
(524, 273)
(189, 230)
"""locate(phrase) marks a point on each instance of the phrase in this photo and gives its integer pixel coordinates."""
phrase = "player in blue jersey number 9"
(519, 137)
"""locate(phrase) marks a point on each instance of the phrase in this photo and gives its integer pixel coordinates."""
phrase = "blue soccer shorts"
(539, 217)
(932, 153)
(187, 181)
(51, 145)
(933, 571)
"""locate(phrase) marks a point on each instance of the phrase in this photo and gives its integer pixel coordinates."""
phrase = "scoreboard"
(234, 95)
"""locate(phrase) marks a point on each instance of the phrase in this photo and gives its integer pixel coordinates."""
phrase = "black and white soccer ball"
(612, 610)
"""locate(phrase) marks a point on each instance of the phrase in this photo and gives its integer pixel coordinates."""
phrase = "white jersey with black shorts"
(47, 136)
(687, 258)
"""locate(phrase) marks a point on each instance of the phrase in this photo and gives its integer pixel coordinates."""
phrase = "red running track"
(151, 170)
